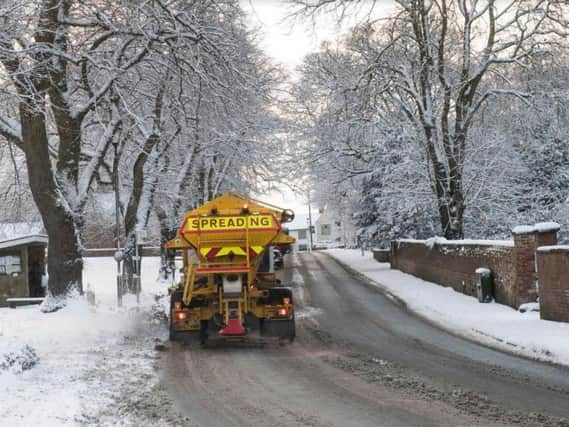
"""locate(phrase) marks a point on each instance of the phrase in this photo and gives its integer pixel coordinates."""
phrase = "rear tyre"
(203, 332)
(172, 335)
(292, 336)
(261, 326)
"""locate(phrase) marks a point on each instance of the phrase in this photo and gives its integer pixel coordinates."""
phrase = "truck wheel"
(173, 334)
(293, 334)
(261, 326)
(203, 332)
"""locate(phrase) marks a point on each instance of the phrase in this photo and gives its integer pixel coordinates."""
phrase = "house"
(299, 230)
(22, 260)
(332, 229)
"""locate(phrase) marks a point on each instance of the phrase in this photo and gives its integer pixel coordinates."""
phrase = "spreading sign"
(228, 223)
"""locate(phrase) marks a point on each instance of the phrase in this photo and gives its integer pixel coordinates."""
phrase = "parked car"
(278, 258)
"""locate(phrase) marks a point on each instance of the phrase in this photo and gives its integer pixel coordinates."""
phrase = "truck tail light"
(181, 316)
(283, 312)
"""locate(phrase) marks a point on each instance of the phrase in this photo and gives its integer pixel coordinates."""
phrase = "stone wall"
(454, 263)
(553, 269)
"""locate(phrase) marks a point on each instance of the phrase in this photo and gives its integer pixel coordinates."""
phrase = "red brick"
(554, 284)
(453, 265)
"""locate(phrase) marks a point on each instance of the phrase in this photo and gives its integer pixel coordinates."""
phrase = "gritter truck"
(228, 286)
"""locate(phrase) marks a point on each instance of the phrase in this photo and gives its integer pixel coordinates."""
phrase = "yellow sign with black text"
(230, 223)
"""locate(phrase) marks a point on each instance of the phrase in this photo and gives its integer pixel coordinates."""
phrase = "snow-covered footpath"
(495, 325)
(84, 364)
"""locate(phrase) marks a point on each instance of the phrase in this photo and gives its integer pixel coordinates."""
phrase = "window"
(301, 234)
(10, 264)
(325, 230)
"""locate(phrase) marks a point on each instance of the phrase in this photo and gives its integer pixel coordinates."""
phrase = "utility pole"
(118, 253)
(309, 223)
(140, 236)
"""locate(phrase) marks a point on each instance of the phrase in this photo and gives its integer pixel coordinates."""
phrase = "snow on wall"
(554, 248)
(455, 264)
(541, 227)
(442, 241)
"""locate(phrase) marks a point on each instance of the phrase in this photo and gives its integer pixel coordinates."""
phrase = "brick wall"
(453, 263)
(553, 269)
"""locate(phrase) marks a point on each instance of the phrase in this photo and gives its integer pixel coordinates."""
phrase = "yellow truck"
(227, 285)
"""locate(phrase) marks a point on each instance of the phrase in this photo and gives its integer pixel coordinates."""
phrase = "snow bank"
(437, 240)
(529, 306)
(84, 358)
(492, 324)
(16, 357)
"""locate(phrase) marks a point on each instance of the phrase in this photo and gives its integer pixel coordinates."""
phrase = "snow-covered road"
(359, 359)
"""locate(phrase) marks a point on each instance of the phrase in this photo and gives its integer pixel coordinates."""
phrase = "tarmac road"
(360, 359)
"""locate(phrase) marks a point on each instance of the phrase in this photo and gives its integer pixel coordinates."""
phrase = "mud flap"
(173, 335)
(278, 328)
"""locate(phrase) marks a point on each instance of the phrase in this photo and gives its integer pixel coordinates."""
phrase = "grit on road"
(360, 359)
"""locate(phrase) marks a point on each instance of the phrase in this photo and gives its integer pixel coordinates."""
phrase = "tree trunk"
(65, 264)
(451, 214)
(167, 256)
(132, 210)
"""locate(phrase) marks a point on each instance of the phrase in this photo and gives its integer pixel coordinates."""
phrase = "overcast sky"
(287, 42)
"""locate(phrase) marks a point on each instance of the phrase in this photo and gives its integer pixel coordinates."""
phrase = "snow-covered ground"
(492, 324)
(84, 364)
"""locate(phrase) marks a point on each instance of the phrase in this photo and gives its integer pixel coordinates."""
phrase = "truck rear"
(226, 286)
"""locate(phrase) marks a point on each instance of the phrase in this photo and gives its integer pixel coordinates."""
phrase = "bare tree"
(440, 62)
(62, 59)
(201, 114)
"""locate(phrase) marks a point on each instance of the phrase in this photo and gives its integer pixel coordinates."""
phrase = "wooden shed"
(22, 261)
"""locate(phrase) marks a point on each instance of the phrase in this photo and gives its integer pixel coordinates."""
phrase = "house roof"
(21, 233)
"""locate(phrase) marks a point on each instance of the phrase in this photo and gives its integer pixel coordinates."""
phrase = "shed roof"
(21, 233)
